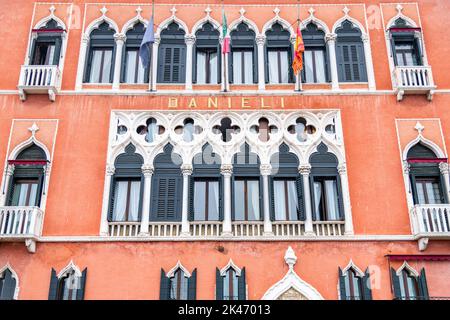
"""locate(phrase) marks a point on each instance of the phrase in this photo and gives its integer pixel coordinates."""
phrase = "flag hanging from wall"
(226, 39)
(147, 42)
(299, 48)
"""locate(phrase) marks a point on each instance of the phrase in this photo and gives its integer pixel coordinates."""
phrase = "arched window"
(230, 284)
(172, 55)
(178, 285)
(167, 186)
(354, 285)
(69, 285)
(350, 54)
(325, 186)
(101, 55)
(247, 204)
(286, 187)
(46, 48)
(409, 285)
(8, 285)
(426, 180)
(127, 187)
(315, 56)
(133, 71)
(405, 44)
(243, 64)
(207, 55)
(206, 187)
(278, 55)
(26, 186)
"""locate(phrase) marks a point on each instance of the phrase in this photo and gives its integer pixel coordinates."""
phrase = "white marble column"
(106, 196)
(261, 41)
(8, 174)
(120, 39)
(331, 45)
(154, 67)
(305, 170)
(298, 77)
(226, 171)
(369, 62)
(266, 170)
(147, 171)
(348, 227)
(186, 170)
(190, 41)
(81, 62)
(443, 166)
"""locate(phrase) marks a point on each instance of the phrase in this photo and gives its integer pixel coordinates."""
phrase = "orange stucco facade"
(75, 129)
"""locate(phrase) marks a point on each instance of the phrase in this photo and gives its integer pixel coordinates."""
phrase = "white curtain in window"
(95, 66)
(239, 200)
(213, 201)
(253, 200)
(331, 200)
(284, 65)
(23, 194)
(420, 193)
(279, 194)
(248, 66)
(50, 55)
(309, 67)
(130, 66)
(107, 60)
(356, 292)
(237, 71)
(293, 201)
(317, 198)
(213, 67)
(201, 70)
(120, 201)
(273, 67)
(141, 71)
(133, 211)
(199, 200)
(320, 66)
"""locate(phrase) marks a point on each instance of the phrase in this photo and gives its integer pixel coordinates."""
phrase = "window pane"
(279, 200)
(95, 66)
(309, 67)
(141, 71)
(248, 66)
(183, 286)
(213, 200)
(253, 200)
(320, 66)
(433, 192)
(356, 286)
(199, 200)
(201, 67)
(213, 67)
(273, 66)
(133, 211)
(411, 287)
(33, 194)
(120, 201)
(284, 60)
(131, 66)
(237, 67)
(239, 204)
(107, 61)
(50, 54)
(317, 199)
(331, 200)
(292, 200)
(420, 193)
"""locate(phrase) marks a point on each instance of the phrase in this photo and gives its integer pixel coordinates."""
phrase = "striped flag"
(226, 39)
(299, 48)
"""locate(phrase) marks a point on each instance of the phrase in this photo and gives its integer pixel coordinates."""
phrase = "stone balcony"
(414, 80)
(430, 222)
(39, 80)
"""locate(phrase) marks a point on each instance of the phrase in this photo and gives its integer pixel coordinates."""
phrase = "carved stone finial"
(290, 258)
(346, 10)
(311, 11)
(419, 127)
(242, 11)
(399, 8)
(173, 10)
(139, 10)
(208, 10)
(277, 11)
(33, 129)
(103, 10)
(52, 10)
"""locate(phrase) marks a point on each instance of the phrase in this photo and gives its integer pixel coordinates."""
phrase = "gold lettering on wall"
(227, 102)
(212, 102)
(173, 103)
(192, 103)
(245, 103)
(263, 106)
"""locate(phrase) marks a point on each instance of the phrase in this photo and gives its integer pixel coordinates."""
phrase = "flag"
(226, 39)
(147, 41)
(299, 48)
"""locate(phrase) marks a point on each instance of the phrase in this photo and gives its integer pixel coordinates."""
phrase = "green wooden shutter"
(57, 55)
(266, 66)
(9, 286)
(342, 291)
(340, 198)
(219, 285)
(53, 291)
(192, 286)
(164, 291)
(194, 63)
(80, 291)
(300, 197)
(393, 51)
(242, 286)
(10, 196)
(166, 198)
(255, 63)
(423, 288)
(272, 199)
(367, 290)
(396, 285)
(111, 199)
(221, 202)
(191, 198)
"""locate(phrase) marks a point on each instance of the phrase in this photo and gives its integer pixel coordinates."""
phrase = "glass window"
(207, 66)
(408, 286)
(353, 285)
(243, 67)
(285, 200)
(206, 200)
(179, 286)
(428, 190)
(25, 193)
(278, 66)
(246, 200)
(326, 199)
(315, 71)
(135, 71)
(406, 54)
(230, 285)
(101, 65)
(44, 53)
(126, 200)
(68, 286)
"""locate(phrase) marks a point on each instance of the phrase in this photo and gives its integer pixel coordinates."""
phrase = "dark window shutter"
(32, 53)
(166, 198)
(164, 292)
(272, 199)
(161, 58)
(301, 198)
(419, 54)
(221, 202)
(342, 292)
(113, 60)
(242, 286)
(194, 64)
(40, 189)
(192, 286)
(87, 67)
(219, 285)
(80, 291)
(11, 191)
(423, 288)
(53, 292)
(9, 286)
(57, 54)
(111, 199)
(255, 64)
(266, 67)
(340, 198)
(367, 290)
(396, 285)
(191, 198)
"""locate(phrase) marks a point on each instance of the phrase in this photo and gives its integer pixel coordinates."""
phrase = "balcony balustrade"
(39, 80)
(414, 80)
(430, 221)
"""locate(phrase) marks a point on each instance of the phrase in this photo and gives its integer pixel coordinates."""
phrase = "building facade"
(211, 175)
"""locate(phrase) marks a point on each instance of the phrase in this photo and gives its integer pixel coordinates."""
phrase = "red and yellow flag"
(299, 48)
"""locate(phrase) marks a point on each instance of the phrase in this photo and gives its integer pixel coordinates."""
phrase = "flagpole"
(225, 62)
(150, 49)
(298, 77)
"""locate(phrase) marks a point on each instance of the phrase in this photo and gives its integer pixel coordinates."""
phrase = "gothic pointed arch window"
(350, 53)
(243, 62)
(47, 45)
(172, 55)
(231, 283)
(325, 184)
(316, 68)
(286, 186)
(354, 285)
(428, 185)
(101, 55)
(278, 55)
(133, 71)
(8, 284)
(178, 284)
(206, 187)
(127, 187)
(207, 55)
(68, 285)
(246, 186)
(167, 186)
(406, 45)
(27, 183)
(409, 284)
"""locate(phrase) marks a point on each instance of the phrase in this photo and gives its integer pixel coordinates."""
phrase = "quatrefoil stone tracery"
(226, 129)
(151, 130)
(264, 129)
(188, 130)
